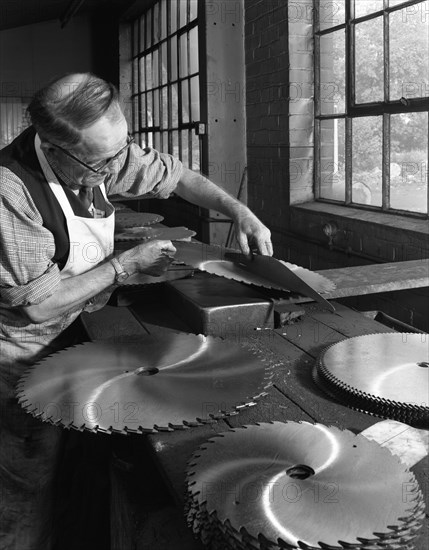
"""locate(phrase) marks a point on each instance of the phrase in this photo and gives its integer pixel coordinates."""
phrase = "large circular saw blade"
(300, 485)
(214, 260)
(384, 374)
(161, 383)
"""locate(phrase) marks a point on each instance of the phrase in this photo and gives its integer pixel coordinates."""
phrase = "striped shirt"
(27, 273)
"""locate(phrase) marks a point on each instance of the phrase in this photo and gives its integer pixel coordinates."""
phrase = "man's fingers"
(167, 248)
(244, 245)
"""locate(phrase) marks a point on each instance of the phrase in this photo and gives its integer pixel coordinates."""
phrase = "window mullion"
(349, 160)
(386, 163)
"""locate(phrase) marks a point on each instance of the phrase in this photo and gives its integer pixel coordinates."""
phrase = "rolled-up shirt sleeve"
(27, 274)
(146, 173)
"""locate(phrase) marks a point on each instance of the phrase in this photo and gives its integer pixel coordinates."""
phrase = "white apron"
(91, 239)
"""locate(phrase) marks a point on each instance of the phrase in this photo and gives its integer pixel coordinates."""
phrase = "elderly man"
(55, 180)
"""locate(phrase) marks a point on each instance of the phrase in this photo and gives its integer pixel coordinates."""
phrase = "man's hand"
(252, 234)
(152, 258)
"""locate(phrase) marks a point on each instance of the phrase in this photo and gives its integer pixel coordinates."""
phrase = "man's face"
(100, 142)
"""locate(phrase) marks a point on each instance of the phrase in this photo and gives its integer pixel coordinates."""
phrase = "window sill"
(377, 235)
(396, 221)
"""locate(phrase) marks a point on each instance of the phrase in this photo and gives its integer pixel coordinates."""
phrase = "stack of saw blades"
(300, 485)
(382, 374)
(172, 381)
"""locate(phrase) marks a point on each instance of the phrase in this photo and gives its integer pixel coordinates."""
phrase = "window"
(371, 103)
(166, 83)
(13, 118)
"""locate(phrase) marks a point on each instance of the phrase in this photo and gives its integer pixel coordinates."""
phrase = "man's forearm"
(71, 292)
(197, 189)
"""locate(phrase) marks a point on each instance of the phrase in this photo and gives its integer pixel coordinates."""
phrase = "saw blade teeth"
(219, 520)
(340, 383)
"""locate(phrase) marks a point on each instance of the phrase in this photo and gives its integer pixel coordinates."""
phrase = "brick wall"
(279, 104)
(267, 98)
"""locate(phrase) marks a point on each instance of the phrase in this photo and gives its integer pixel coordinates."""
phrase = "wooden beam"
(375, 278)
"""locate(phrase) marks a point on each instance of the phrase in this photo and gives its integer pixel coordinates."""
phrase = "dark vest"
(20, 158)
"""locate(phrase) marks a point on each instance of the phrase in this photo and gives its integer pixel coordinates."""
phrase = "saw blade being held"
(301, 485)
(160, 383)
(258, 270)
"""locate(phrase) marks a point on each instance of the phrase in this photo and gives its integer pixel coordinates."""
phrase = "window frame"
(354, 110)
(140, 132)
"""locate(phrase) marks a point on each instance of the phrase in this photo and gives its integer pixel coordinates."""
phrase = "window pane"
(193, 53)
(185, 148)
(164, 96)
(332, 73)
(149, 109)
(143, 113)
(149, 139)
(330, 13)
(142, 33)
(364, 7)
(183, 6)
(367, 160)
(148, 37)
(409, 47)
(195, 99)
(155, 68)
(369, 61)
(193, 10)
(164, 67)
(408, 158)
(174, 105)
(164, 142)
(143, 66)
(135, 84)
(148, 61)
(163, 17)
(136, 124)
(185, 101)
(156, 110)
(173, 15)
(173, 54)
(332, 159)
(157, 140)
(395, 2)
(195, 151)
(175, 151)
(156, 23)
(183, 68)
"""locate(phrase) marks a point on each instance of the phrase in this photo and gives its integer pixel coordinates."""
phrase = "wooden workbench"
(293, 350)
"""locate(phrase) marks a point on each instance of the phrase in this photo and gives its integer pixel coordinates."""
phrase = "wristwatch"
(121, 274)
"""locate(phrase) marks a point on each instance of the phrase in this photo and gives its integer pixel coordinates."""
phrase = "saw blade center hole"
(300, 471)
(146, 371)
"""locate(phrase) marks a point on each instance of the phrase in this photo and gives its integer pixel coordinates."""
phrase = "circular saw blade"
(301, 485)
(151, 233)
(135, 219)
(213, 260)
(315, 280)
(384, 374)
(156, 384)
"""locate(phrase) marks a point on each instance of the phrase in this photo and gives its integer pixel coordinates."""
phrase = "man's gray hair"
(69, 104)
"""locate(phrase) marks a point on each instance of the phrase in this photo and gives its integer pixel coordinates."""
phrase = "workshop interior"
(247, 401)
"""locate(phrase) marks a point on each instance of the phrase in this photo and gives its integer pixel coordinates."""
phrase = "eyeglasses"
(100, 166)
